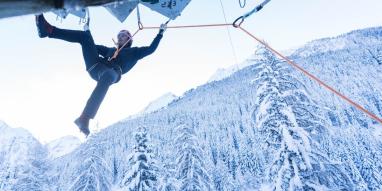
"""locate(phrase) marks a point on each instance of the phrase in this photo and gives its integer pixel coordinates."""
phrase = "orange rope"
(191, 26)
(314, 77)
(371, 115)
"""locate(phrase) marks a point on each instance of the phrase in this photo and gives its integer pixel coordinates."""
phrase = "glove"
(162, 28)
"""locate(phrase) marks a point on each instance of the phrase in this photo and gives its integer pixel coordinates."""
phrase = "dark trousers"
(103, 75)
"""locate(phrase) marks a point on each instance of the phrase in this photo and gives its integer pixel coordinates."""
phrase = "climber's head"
(123, 37)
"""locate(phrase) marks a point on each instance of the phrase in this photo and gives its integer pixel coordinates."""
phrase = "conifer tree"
(143, 174)
(190, 157)
(288, 118)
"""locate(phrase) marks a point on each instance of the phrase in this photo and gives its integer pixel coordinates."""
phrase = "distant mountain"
(62, 146)
(222, 73)
(226, 72)
(263, 127)
(3, 125)
(22, 158)
(159, 103)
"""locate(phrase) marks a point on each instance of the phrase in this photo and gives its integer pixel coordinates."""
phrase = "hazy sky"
(44, 85)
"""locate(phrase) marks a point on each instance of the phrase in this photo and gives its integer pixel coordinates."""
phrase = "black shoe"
(43, 27)
(83, 125)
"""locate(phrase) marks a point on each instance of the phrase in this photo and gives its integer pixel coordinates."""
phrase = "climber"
(102, 64)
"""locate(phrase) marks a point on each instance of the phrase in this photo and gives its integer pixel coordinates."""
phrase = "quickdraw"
(241, 19)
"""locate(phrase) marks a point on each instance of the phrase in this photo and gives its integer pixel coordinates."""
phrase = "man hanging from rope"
(105, 65)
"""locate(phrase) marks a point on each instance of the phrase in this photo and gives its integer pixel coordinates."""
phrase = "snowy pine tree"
(169, 183)
(191, 169)
(143, 174)
(33, 178)
(94, 172)
(361, 159)
(221, 178)
(291, 123)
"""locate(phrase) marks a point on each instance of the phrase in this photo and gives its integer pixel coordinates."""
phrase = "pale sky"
(44, 85)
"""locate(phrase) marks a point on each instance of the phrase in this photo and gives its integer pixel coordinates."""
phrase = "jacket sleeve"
(102, 50)
(147, 50)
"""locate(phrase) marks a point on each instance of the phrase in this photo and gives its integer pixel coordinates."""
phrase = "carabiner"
(241, 19)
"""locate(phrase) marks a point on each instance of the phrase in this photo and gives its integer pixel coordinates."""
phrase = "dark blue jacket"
(128, 56)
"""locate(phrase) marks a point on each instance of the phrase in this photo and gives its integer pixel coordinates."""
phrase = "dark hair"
(130, 43)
